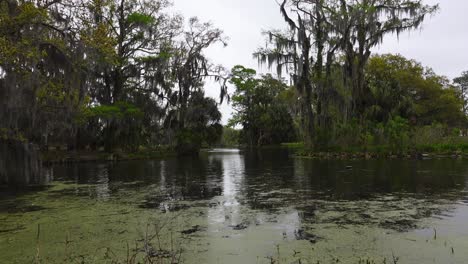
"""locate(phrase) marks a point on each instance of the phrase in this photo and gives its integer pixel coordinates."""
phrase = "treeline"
(343, 96)
(113, 74)
(120, 74)
(409, 104)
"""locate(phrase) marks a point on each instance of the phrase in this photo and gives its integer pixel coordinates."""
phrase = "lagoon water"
(231, 206)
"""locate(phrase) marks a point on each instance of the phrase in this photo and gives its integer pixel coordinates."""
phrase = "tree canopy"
(92, 73)
(330, 38)
(402, 87)
(261, 108)
(121, 74)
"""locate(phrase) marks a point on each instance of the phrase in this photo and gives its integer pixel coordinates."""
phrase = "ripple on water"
(244, 207)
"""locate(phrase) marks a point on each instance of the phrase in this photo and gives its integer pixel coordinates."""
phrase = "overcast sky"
(441, 44)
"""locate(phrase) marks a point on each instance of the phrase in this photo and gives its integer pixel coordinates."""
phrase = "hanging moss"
(19, 163)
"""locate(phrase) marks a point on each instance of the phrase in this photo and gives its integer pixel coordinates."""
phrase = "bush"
(188, 142)
(397, 131)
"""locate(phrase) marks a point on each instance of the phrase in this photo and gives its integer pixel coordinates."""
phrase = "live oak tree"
(127, 42)
(41, 88)
(404, 88)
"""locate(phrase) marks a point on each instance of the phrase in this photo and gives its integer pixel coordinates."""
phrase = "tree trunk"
(20, 164)
(307, 123)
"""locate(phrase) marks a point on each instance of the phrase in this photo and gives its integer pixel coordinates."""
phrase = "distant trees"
(261, 107)
(230, 137)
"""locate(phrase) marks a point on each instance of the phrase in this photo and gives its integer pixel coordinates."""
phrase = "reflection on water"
(242, 205)
(233, 180)
(253, 175)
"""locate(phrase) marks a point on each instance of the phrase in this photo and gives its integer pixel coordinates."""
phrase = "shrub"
(397, 131)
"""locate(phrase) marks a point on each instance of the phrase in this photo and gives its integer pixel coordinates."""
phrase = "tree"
(92, 73)
(41, 78)
(362, 25)
(292, 51)
(326, 35)
(462, 86)
(230, 137)
(261, 108)
(402, 87)
(202, 124)
(189, 69)
(128, 43)
(391, 80)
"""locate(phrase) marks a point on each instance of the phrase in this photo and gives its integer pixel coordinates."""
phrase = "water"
(228, 206)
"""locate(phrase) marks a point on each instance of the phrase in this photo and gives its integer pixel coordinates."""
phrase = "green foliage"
(397, 133)
(122, 74)
(119, 110)
(39, 93)
(8, 134)
(106, 75)
(188, 142)
(461, 86)
(123, 118)
(230, 137)
(261, 108)
(402, 87)
(201, 127)
(326, 49)
(349, 135)
(100, 39)
(139, 18)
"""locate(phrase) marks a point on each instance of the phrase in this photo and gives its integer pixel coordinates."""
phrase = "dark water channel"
(227, 206)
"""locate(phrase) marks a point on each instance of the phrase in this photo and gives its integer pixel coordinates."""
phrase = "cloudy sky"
(441, 44)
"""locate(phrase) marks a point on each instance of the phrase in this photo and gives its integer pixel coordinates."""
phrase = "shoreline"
(419, 152)
(375, 156)
(70, 157)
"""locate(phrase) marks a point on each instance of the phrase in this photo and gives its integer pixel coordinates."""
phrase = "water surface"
(231, 206)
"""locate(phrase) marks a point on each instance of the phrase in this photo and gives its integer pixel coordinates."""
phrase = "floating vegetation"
(192, 230)
(109, 219)
(303, 235)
